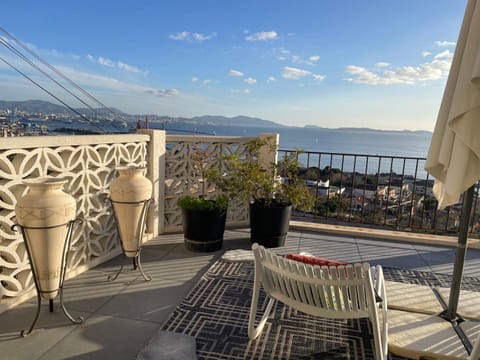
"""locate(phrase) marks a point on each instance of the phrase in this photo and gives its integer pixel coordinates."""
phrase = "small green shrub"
(198, 203)
(201, 160)
(254, 181)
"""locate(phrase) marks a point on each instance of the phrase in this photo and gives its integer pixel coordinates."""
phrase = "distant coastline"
(41, 110)
(365, 129)
(316, 139)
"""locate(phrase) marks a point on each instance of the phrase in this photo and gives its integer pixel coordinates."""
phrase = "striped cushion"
(313, 260)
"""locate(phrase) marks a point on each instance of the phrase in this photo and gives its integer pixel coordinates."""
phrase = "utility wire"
(28, 61)
(56, 71)
(52, 95)
(44, 62)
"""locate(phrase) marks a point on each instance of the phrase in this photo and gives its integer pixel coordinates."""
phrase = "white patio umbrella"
(454, 153)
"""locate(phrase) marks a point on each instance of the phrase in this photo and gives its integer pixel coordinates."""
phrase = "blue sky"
(351, 63)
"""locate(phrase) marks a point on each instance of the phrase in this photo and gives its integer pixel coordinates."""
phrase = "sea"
(386, 150)
(342, 140)
(360, 141)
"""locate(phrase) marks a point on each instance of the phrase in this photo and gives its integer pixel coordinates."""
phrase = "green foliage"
(198, 203)
(430, 203)
(334, 205)
(255, 181)
(201, 159)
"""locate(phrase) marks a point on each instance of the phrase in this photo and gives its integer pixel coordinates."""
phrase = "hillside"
(235, 121)
(45, 107)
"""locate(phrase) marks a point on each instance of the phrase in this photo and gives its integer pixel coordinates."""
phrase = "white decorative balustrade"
(181, 177)
(88, 163)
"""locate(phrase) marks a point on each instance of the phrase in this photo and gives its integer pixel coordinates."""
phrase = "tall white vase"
(44, 214)
(128, 192)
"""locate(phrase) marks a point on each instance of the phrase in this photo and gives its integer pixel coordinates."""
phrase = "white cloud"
(179, 36)
(271, 79)
(235, 73)
(382, 64)
(294, 73)
(250, 80)
(202, 37)
(60, 54)
(319, 77)
(353, 69)
(447, 54)
(445, 43)
(200, 81)
(434, 70)
(163, 92)
(51, 52)
(111, 84)
(126, 67)
(112, 64)
(105, 62)
(283, 54)
(426, 53)
(185, 35)
(262, 36)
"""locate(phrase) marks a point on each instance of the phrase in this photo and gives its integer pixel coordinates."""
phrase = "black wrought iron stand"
(36, 279)
(140, 230)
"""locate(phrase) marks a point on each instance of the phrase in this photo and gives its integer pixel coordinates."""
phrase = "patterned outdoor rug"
(217, 309)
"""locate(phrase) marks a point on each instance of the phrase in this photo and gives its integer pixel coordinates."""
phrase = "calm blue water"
(353, 141)
(346, 141)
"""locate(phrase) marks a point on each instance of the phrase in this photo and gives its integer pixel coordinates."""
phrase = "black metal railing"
(378, 191)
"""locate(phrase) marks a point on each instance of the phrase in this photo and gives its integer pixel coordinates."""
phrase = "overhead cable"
(32, 64)
(44, 62)
(51, 94)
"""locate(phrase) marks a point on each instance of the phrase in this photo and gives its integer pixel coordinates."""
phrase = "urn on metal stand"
(45, 216)
(130, 195)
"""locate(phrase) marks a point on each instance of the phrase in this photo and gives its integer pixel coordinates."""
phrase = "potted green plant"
(272, 190)
(203, 215)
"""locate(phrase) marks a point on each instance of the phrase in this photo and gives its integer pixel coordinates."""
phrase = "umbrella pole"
(451, 312)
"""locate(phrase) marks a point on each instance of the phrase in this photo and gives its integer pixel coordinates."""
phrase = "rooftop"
(123, 315)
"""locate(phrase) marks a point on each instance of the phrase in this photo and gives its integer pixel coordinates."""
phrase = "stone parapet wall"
(88, 163)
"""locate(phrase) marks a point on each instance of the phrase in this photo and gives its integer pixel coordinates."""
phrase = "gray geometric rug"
(216, 313)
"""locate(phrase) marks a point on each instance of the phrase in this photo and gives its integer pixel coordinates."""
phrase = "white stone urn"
(45, 213)
(129, 193)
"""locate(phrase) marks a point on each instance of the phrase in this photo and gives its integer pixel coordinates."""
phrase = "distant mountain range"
(45, 107)
(236, 121)
(48, 108)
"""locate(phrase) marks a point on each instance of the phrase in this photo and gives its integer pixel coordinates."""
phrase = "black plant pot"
(269, 224)
(203, 229)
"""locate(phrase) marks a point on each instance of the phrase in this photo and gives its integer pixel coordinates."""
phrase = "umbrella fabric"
(454, 153)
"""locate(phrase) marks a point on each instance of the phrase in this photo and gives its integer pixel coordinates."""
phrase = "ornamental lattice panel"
(182, 179)
(89, 169)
